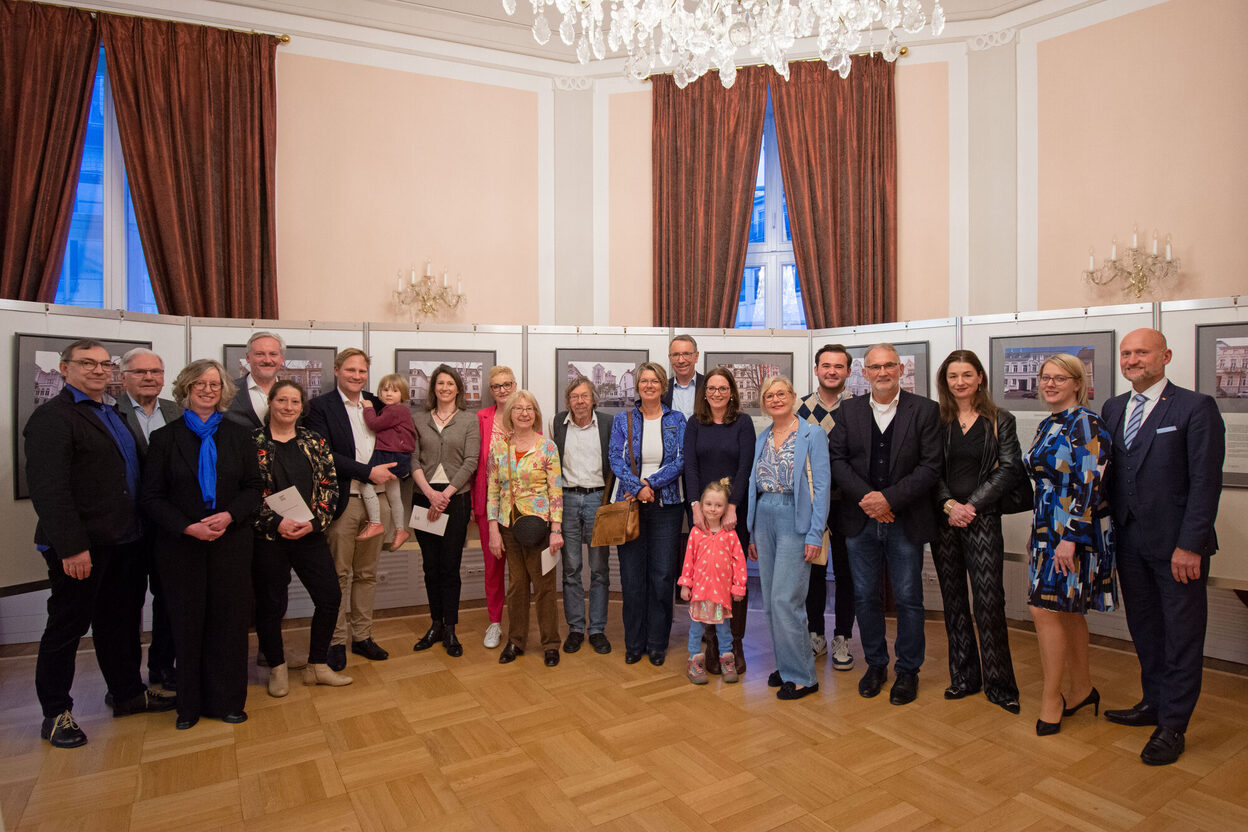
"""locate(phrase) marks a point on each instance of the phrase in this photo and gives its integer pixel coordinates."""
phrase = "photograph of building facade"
(1022, 368)
(1231, 368)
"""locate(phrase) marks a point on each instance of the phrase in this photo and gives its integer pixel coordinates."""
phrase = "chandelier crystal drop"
(694, 36)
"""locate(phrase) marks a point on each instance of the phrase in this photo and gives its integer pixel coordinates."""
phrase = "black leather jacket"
(1001, 461)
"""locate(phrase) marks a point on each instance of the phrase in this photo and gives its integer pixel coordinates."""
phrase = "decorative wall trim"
(572, 83)
(980, 43)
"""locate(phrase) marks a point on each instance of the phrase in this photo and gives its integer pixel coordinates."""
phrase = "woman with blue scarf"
(201, 485)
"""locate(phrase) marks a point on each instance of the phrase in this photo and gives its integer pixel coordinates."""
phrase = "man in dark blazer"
(339, 417)
(82, 467)
(266, 355)
(583, 437)
(886, 454)
(1164, 482)
(686, 381)
(142, 379)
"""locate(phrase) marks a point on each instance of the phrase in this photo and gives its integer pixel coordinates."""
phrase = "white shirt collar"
(692, 381)
(1153, 393)
(885, 408)
(593, 419)
(347, 401)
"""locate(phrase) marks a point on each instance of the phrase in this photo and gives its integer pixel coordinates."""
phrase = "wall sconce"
(1139, 270)
(420, 297)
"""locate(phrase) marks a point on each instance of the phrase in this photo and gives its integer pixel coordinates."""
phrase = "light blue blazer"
(811, 517)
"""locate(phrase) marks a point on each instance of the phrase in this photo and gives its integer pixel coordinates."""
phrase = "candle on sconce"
(399, 288)
(445, 276)
(1113, 250)
(1135, 237)
(1091, 260)
(428, 268)
(1154, 242)
(459, 281)
(1168, 258)
(413, 275)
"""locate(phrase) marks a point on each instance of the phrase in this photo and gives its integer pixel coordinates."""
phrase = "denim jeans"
(785, 576)
(578, 530)
(723, 632)
(877, 544)
(649, 566)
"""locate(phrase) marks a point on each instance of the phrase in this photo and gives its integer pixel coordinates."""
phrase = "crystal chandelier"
(696, 35)
(1139, 271)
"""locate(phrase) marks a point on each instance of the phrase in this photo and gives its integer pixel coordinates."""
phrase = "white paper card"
(420, 521)
(549, 559)
(290, 505)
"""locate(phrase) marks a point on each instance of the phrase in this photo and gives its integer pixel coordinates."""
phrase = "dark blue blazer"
(698, 381)
(1173, 479)
(327, 415)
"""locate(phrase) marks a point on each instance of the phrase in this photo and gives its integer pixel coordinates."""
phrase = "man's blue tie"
(1137, 417)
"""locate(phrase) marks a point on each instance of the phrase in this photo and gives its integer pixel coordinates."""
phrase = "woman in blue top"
(1071, 569)
(648, 469)
(790, 485)
(719, 442)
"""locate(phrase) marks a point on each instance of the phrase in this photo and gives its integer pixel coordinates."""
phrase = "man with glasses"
(584, 442)
(886, 457)
(683, 387)
(142, 379)
(82, 467)
(266, 355)
(502, 386)
(832, 364)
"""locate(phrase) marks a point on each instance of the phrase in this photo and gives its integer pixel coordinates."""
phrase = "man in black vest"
(1163, 488)
(142, 379)
(583, 438)
(886, 456)
(82, 466)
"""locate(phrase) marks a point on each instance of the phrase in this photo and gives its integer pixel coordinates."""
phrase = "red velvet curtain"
(47, 67)
(197, 113)
(838, 154)
(705, 144)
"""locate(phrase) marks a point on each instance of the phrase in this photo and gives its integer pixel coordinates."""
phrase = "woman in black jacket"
(201, 485)
(981, 465)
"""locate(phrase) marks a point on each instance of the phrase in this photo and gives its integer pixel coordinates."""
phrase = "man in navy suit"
(266, 355)
(886, 458)
(339, 417)
(1164, 484)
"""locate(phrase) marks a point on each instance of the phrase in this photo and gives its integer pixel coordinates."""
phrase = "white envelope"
(420, 521)
(549, 559)
(289, 504)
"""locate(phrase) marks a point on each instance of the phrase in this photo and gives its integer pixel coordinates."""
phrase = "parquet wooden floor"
(425, 742)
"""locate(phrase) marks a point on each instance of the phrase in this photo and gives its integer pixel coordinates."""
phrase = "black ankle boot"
(453, 648)
(435, 634)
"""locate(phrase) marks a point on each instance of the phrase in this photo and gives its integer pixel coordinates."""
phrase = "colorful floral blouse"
(324, 481)
(530, 484)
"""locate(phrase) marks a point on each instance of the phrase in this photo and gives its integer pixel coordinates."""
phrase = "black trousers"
(977, 552)
(271, 563)
(161, 652)
(441, 555)
(109, 601)
(817, 595)
(209, 591)
(1167, 620)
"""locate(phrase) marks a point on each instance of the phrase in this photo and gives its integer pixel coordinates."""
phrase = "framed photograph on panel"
(472, 365)
(37, 378)
(1222, 372)
(1015, 362)
(915, 368)
(750, 370)
(313, 367)
(613, 373)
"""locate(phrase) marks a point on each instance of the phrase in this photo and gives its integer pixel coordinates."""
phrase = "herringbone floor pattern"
(426, 742)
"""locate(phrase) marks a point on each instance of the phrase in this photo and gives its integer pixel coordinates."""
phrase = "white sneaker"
(842, 659)
(493, 635)
(818, 644)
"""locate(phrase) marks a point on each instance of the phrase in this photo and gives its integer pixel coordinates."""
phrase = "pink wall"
(631, 211)
(1143, 119)
(379, 169)
(922, 191)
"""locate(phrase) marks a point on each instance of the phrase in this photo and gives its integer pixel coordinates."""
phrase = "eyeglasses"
(675, 355)
(522, 409)
(648, 382)
(776, 395)
(875, 368)
(90, 364)
(1054, 379)
(157, 372)
(498, 388)
(581, 397)
(717, 389)
(212, 386)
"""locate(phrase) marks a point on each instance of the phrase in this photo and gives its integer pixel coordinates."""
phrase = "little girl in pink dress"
(713, 577)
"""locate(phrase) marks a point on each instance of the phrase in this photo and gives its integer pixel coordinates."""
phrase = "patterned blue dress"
(1067, 461)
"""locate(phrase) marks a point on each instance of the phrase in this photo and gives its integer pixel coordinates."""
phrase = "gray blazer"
(168, 408)
(456, 447)
(240, 410)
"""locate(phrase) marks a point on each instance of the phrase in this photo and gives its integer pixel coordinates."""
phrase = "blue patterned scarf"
(207, 453)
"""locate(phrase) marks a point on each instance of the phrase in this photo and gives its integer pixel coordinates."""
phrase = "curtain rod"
(93, 11)
(901, 53)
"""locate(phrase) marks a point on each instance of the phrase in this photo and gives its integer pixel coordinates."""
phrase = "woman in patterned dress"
(1071, 569)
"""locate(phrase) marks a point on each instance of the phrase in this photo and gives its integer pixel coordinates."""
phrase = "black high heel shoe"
(1093, 699)
(1045, 729)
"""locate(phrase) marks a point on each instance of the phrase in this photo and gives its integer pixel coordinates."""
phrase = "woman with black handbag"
(981, 479)
(525, 510)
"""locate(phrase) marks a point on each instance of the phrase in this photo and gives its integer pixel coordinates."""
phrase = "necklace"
(442, 420)
(967, 421)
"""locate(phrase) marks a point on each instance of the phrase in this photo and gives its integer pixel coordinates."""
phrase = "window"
(104, 265)
(771, 297)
